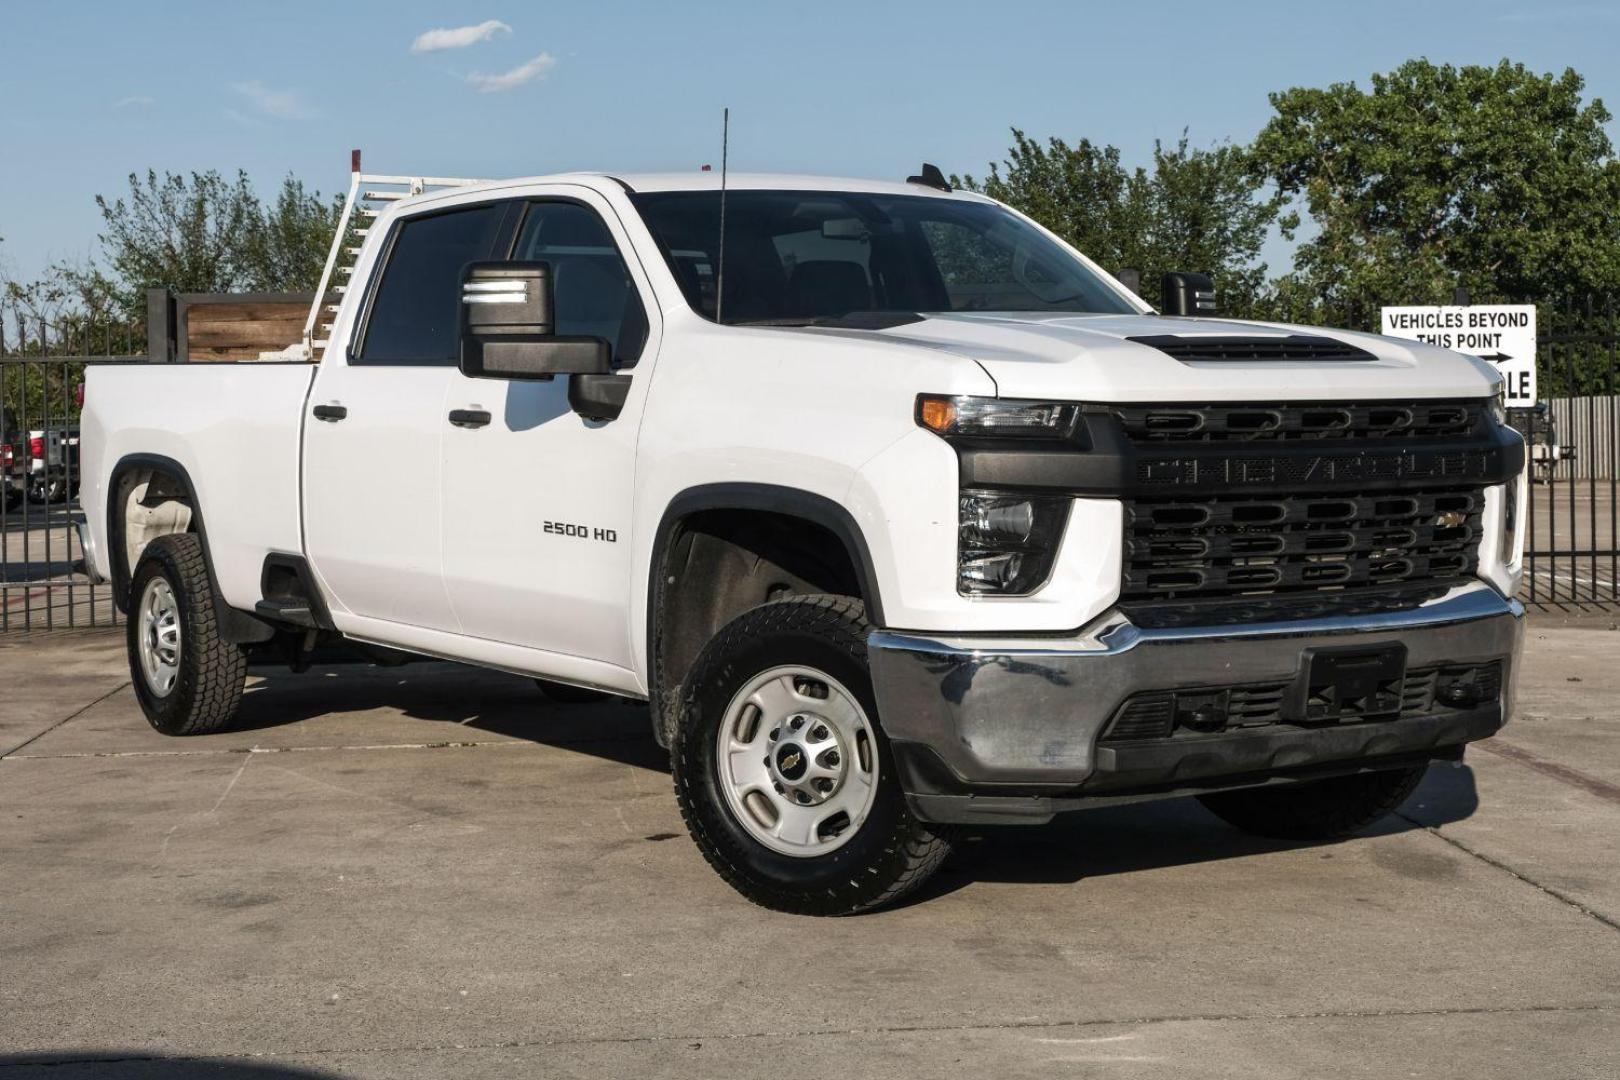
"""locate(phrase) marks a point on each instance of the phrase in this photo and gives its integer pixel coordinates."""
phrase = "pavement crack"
(1561, 897)
(163, 849)
(72, 716)
(1560, 772)
(833, 1032)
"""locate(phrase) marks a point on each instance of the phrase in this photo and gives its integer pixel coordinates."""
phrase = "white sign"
(1503, 334)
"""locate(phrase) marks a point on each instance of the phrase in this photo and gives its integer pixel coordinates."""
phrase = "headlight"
(995, 418)
(1499, 406)
(1006, 543)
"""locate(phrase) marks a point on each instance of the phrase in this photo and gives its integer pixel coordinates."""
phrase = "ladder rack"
(369, 195)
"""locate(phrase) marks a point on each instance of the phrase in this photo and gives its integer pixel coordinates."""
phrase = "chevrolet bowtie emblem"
(791, 761)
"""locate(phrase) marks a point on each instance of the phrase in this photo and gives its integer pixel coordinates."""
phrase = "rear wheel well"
(150, 497)
(717, 564)
(148, 501)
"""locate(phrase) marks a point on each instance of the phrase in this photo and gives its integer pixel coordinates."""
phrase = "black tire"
(1318, 809)
(564, 694)
(207, 689)
(890, 854)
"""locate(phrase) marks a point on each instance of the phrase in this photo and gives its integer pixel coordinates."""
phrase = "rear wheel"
(783, 775)
(187, 678)
(1327, 809)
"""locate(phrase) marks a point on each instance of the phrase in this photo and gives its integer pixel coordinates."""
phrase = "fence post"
(1459, 295)
(159, 326)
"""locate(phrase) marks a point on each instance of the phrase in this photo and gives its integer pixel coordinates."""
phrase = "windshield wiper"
(854, 320)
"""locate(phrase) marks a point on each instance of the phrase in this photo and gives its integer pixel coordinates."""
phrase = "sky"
(91, 91)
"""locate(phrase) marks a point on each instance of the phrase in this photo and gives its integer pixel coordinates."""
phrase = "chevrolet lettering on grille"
(1206, 470)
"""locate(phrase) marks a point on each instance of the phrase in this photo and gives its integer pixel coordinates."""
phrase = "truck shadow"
(144, 1065)
(1156, 835)
(454, 704)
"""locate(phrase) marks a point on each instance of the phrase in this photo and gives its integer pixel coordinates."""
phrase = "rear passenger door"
(372, 445)
(537, 501)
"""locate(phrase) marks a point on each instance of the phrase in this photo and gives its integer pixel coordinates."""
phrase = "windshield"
(798, 257)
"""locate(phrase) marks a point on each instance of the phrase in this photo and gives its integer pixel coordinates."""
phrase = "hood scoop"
(1223, 349)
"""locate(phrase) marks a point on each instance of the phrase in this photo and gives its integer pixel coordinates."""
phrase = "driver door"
(537, 500)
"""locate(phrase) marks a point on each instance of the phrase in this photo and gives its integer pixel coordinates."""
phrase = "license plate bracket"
(1348, 682)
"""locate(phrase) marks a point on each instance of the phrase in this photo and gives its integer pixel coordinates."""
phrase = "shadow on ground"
(455, 703)
(1088, 844)
(140, 1065)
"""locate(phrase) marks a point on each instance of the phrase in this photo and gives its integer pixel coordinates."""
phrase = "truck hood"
(1091, 358)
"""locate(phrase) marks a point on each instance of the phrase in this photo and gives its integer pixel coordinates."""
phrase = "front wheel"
(187, 678)
(1329, 809)
(784, 777)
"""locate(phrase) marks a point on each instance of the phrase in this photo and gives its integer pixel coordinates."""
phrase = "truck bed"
(233, 428)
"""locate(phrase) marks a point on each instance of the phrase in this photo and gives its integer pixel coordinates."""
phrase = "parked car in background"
(899, 512)
(51, 470)
(13, 461)
(1540, 430)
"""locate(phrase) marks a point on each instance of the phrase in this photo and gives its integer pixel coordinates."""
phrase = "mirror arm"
(598, 397)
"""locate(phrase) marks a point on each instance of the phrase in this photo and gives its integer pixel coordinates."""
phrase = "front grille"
(1180, 548)
(1241, 610)
(1157, 425)
(1199, 711)
(1213, 348)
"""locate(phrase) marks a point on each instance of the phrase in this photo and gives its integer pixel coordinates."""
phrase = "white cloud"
(511, 80)
(135, 101)
(459, 37)
(282, 104)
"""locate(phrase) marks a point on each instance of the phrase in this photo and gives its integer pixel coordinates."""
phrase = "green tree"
(206, 233)
(1496, 178)
(1196, 209)
(288, 243)
(187, 234)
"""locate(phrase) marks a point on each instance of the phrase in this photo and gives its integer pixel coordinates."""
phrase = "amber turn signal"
(937, 414)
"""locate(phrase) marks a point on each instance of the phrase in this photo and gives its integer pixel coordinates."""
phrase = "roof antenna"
(720, 270)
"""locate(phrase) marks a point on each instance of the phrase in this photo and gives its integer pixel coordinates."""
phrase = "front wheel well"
(717, 563)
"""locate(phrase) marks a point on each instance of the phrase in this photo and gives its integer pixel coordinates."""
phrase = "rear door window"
(414, 312)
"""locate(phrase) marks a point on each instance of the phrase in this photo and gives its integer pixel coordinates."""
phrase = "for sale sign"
(1503, 334)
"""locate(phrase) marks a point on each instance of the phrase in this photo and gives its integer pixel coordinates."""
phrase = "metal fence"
(1573, 561)
(41, 393)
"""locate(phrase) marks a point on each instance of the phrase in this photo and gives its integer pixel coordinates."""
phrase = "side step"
(290, 595)
(291, 612)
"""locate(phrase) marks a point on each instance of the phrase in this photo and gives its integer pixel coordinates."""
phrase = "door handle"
(330, 413)
(470, 418)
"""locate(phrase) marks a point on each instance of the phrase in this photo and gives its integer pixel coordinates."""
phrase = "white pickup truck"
(902, 515)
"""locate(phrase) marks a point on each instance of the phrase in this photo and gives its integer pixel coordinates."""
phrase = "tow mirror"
(1189, 294)
(508, 330)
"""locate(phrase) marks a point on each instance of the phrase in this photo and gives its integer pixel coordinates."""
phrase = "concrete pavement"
(432, 871)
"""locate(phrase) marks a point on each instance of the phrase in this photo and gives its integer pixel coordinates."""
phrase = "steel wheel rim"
(796, 757)
(158, 637)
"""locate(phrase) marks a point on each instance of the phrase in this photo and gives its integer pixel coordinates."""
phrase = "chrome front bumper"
(973, 718)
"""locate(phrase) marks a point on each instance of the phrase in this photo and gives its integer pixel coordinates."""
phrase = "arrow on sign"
(1497, 358)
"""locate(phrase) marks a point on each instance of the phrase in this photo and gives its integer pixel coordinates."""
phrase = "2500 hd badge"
(583, 532)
